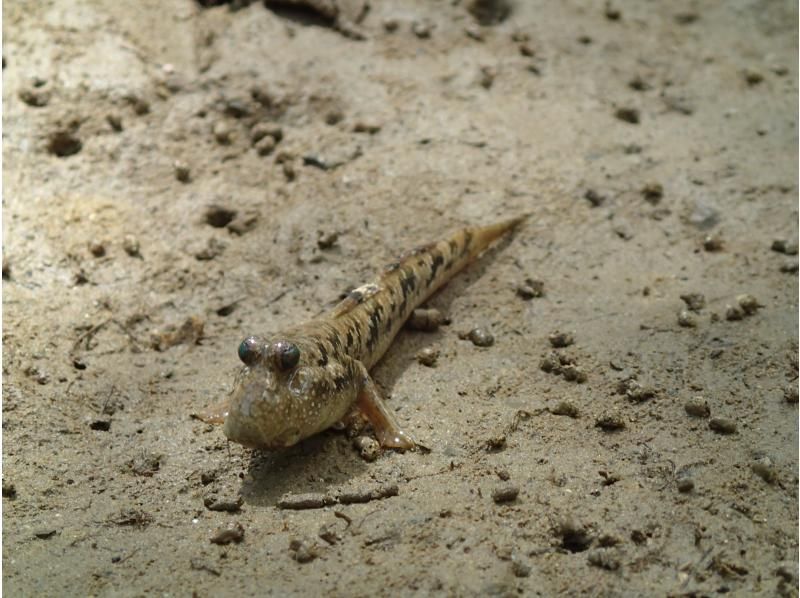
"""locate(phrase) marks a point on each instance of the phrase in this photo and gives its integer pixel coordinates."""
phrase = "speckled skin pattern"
(309, 377)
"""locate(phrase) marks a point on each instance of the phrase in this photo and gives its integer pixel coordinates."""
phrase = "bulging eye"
(287, 355)
(250, 350)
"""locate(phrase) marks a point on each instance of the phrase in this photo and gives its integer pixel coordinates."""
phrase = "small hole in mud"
(489, 12)
(63, 144)
(226, 310)
(574, 539)
(219, 217)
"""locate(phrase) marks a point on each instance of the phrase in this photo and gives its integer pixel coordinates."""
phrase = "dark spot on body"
(374, 329)
(350, 338)
(340, 382)
(438, 260)
(408, 283)
(453, 246)
(323, 355)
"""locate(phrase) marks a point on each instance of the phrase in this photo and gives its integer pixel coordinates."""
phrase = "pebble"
(9, 490)
(722, 425)
(303, 551)
(784, 246)
(505, 493)
(422, 28)
(550, 363)
(653, 192)
(752, 77)
(628, 115)
(687, 319)
(222, 133)
(426, 320)
(182, 171)
(712, 243)
(228, 502)
(428, 357)
(574, 373)
(766, 470)
(559, 340)
(565, 408)
(530, 289)
(520, 568)
(480, 337)
(130, 245)
(789, 267)
(790, 395)
(233, 534)
(685, 485)
(636, 391)
(327, 240)
(368, 447)
(97, 248)
(748, 303)
(697, 408)
(390, 25)
(610, 422)
(733, 313)
(694, 301)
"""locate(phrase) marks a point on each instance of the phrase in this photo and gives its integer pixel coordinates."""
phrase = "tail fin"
(483, 236)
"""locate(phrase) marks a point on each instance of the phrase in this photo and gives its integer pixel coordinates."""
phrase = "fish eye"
(250, 350)
(287, 355)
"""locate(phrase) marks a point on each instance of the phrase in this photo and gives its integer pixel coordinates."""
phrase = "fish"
(307, 378)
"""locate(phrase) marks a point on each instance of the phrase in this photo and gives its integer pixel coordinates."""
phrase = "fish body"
(309, 377)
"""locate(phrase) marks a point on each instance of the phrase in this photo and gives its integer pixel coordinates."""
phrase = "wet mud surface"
(176, 177)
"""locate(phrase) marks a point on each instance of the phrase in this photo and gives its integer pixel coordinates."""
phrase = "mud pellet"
(697, 408)
(559, 340)
(685, 485)
(722, 425)
(480, 337)
(733, 313)
(428, 357)
(233, 534)
(505, 493)
(565, 408)
(686, 319)
(610, 422)
(765, 469)
(309, 500)
(748, 303)
(694, 301)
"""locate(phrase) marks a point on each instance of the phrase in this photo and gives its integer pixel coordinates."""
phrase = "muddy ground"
(176, 177)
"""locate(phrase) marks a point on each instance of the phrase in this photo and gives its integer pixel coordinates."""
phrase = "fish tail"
(481, 237)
